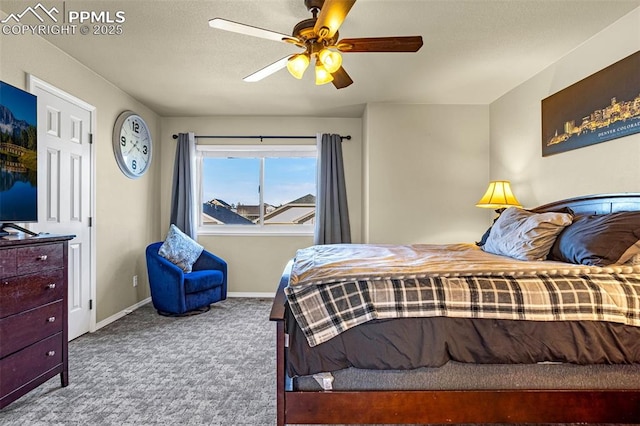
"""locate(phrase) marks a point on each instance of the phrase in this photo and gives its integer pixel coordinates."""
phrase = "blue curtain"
(183, 192)
(332, 212)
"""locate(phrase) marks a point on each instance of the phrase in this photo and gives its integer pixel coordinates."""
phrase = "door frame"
(32, 83)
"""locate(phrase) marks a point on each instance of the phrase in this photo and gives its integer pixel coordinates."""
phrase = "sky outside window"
(236, 180)
(232, 180)
(287, 179)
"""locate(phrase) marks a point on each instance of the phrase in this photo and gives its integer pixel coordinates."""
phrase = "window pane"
(290, 191)
(230, 191)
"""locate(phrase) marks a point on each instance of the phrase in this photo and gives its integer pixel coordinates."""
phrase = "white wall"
(516, 152)
(425, 168)
(255, 263)
(127, 214)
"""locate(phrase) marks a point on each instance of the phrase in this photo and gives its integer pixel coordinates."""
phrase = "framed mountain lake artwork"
(18, 155)
(599, 108)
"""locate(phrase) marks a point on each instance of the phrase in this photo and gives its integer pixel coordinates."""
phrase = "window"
(257, 189)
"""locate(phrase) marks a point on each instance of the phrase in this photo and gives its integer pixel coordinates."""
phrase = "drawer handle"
(51, 353)
(42, 257)
(51, 319)
(51, 285)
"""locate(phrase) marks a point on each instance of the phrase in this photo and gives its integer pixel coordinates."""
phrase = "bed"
(580, 388)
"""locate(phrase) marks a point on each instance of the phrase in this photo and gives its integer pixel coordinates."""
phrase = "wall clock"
(132, 144)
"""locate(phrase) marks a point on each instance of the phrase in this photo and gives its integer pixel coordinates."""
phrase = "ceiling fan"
(318, 36)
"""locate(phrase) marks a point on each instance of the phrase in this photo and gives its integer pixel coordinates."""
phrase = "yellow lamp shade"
(297, 65)
(322, 75)
(498, 196)
(331, 60)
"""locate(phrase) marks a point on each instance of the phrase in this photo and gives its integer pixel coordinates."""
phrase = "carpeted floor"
(217, 368)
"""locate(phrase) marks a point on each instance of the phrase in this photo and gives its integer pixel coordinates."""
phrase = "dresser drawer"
(39, 258)
(30, 291)
(26, 365)
(23, 329)
(7, 263)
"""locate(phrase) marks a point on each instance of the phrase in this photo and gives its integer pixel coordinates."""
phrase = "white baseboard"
(121, 314)
(251, 294)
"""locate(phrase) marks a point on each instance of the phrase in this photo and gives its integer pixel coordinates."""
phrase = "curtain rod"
(347, 137)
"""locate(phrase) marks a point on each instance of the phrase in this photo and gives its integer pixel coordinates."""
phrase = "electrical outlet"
(135, 281)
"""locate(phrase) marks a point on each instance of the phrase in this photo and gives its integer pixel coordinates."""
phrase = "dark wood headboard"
(596, 204)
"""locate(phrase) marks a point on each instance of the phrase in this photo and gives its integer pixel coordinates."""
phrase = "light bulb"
(297, 65)
(331, 60)
(322, 75)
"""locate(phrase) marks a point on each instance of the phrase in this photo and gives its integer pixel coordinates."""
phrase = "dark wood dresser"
(33, 313)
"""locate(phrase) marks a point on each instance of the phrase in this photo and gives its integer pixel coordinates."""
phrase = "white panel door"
(64, 190)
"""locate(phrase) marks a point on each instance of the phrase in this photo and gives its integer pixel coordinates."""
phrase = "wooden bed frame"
(453, 406)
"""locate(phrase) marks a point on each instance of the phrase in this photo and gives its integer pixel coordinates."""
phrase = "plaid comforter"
(324, 310)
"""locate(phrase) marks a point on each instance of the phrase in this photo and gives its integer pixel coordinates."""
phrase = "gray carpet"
(217, 368)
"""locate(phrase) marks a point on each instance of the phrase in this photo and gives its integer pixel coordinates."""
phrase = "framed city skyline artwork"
(599, 108)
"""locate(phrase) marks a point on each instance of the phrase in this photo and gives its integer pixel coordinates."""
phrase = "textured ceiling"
(474, 51)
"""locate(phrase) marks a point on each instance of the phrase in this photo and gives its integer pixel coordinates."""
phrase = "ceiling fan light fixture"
(320, 40)
(298, 64)
(331, 60)
(322, 75)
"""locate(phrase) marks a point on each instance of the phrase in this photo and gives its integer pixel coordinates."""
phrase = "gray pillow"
(179, 249)
(525, 235)
(599, 240)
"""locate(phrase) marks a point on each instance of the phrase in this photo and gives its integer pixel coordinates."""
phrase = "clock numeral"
(144, 149)
(123, 141)
(134, 164)
(135, 126)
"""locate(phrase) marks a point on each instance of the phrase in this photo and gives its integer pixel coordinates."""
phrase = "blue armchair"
(175, 292)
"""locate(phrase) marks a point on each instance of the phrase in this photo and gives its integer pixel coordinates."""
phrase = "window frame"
(250, 151)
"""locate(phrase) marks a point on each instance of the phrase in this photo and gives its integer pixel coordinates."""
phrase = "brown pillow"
(599, 240)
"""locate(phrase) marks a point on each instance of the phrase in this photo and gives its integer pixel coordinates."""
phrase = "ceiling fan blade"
(341, 79)
(331, 16)
(236, 27)
(268, 70)
(380, 44)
